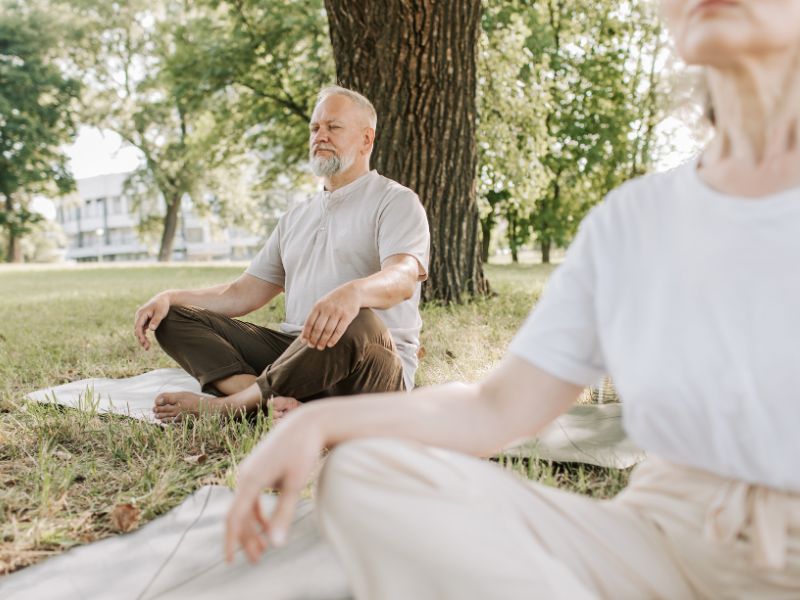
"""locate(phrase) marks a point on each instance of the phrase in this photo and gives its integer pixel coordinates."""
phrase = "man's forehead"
(326, 118)
(335, 108)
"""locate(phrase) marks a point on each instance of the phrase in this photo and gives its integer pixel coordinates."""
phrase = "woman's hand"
(283, 461)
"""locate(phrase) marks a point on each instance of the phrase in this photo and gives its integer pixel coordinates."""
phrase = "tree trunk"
(546, 244)
(170, 227)
(513, 235)
(487, 225)
(416, 60)
(13, 251)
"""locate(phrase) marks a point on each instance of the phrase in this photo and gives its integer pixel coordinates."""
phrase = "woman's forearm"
(478, 419)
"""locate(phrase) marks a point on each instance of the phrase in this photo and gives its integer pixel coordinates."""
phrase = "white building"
(100, 224)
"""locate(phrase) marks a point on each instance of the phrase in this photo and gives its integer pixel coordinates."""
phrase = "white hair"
(358, 99)
(330, 166)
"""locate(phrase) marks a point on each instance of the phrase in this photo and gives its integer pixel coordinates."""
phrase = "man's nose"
(321, 135)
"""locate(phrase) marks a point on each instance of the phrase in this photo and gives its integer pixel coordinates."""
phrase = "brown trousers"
(211, 346)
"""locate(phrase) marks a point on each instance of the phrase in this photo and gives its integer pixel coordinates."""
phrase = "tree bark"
(546, 244)
(416, 60)
(170, 227)
(13, 250)
(486, 238)
(513, 235)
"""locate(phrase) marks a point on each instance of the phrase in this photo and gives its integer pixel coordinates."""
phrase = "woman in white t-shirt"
(685, 288)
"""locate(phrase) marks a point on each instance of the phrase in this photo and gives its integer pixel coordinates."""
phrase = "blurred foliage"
(265, 60)
(217, 95)
(130, 56)
(570, 94)
(36, 102)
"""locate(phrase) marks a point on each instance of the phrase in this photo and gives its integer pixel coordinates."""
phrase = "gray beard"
(326, 167)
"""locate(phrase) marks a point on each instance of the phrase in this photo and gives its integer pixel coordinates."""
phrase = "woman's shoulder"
(640, 206)
(653, 189)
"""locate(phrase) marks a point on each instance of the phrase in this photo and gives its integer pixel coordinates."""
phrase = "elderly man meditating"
(350, 261)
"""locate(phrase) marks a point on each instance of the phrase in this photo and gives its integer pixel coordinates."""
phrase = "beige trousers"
(412, 522)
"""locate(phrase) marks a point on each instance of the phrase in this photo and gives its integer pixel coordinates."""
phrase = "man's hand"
(148, 317)
(283, 461)
(331, 316)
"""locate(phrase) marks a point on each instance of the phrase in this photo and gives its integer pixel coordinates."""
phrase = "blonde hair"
(358, 99)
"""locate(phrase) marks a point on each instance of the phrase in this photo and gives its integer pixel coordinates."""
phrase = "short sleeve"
(560, 335)
(267, 264)
(403, 229)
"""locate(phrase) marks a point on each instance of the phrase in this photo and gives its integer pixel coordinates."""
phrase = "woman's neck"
(756, 147)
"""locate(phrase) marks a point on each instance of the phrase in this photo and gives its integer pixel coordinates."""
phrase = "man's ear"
(368, 139)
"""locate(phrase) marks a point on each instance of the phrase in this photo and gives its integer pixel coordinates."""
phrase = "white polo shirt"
(690, 300)
(336, 237)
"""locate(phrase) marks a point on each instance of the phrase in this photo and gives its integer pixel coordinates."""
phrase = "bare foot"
(280, 406)
(171, 406)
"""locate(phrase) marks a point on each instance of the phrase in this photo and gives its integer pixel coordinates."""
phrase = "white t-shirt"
(336, 237)
(690, 300)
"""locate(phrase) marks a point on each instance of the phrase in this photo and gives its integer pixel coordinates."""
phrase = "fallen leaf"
(197, 459)
(125, 517)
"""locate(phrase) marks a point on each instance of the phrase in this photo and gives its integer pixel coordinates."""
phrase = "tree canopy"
(571, 94)
(36, 118)
(510, 130)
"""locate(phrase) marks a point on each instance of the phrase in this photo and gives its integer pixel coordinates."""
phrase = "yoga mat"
(179, 556)
(588, 433)
(131, 397)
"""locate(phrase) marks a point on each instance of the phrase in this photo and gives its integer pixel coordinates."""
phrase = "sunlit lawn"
(62, 471)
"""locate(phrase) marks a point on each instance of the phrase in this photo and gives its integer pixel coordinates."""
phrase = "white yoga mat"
(132, 397)
(180, 556)
(589, 433)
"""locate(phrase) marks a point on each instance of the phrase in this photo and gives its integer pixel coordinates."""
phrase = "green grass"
(62, 471)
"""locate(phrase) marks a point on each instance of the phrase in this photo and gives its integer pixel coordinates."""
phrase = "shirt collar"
(350, 189)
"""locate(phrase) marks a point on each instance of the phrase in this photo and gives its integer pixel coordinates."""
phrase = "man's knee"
(172, 326)
(366, 327)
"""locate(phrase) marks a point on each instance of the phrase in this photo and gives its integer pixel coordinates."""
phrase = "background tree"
(590, 58)
(212, 93)
(511, 131)
(35, 119)
(132, 56)
(571, 94)
(417, 60)
(266, 60)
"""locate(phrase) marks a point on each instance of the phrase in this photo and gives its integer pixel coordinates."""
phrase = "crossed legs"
(228, 355)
